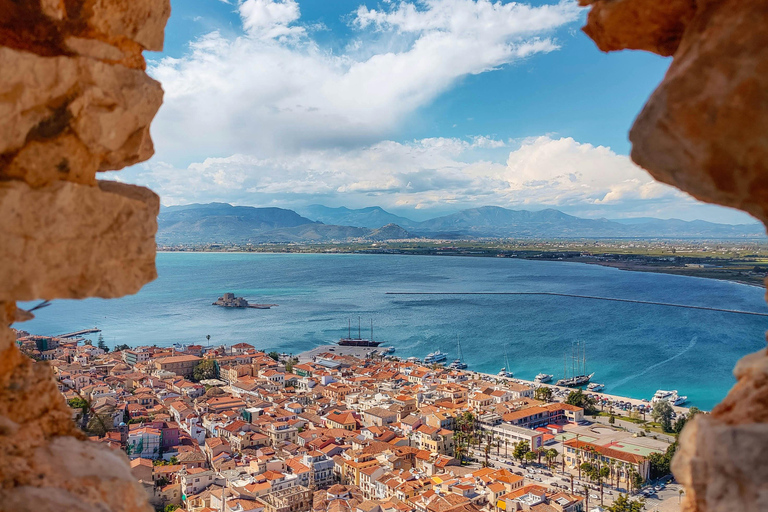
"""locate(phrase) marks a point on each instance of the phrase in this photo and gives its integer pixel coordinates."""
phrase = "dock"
(79, 333)
(359, 352)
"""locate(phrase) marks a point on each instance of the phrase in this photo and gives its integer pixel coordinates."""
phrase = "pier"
(79, 333)
(592, 297)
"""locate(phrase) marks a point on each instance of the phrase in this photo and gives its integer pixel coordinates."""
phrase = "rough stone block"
(64, 118)
(74, 241)
(650, 25)
(705, 129)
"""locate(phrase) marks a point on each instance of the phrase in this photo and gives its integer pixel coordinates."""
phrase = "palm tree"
(602, 473)
(208, 337)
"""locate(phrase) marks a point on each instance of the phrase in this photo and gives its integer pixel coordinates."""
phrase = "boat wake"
(623, 381)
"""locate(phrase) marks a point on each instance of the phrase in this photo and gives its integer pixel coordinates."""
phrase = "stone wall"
(74, 101)
(705, 131)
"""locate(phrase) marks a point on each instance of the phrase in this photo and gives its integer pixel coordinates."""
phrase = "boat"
(669, 396)
(435, 357)
(349, 341)
(594, 386)
(579, 376)
(543, 377)
(413, 360)
(503, 372)
(388, 350)
(458, 363)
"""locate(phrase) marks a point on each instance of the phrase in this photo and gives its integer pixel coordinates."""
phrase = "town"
(235, 429)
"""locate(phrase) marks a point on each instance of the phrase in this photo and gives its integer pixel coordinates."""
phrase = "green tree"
(520, 449)
(624, 504)
(274, 355)
(551, 457)
(579, 399)
(289, 367)
(530, 456)
(612, 419)
(205, 369)
(660, 462)
(543, 393)
(693, 411)
(170, 507)
(102, 344)
(118, 348)
(662, 413)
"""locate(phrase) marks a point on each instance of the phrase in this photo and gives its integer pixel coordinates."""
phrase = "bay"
(634, 349)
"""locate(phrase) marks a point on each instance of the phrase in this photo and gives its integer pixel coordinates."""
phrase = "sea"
(634, 349)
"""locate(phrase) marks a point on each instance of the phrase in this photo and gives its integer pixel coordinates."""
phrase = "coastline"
(363, 352)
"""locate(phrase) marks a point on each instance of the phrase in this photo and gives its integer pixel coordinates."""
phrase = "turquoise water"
(633, 349)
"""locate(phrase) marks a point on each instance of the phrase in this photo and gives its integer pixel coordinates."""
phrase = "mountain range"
(224, 223)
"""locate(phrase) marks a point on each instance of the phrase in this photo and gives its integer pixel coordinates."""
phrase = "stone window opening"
(66, 234)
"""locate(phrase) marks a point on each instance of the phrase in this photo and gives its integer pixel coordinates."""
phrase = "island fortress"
(230, 301)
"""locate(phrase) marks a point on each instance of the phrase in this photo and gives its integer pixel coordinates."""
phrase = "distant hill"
(224, 223)
(388, 232)
(372, 217)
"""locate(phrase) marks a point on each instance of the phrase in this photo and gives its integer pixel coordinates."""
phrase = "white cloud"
(563, 171)
(275, 90)
(427, 174)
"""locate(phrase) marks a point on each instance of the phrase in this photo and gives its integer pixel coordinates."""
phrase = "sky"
(422, 107)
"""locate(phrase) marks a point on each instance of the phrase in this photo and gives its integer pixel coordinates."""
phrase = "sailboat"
(458, 363)
(504, 372)
(579, 365)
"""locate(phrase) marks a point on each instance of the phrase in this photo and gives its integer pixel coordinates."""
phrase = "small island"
(230, 301)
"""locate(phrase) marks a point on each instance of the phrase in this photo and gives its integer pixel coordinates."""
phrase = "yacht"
(435, 357)
(413, 360)
(503, 372)
(594, 386)
(669, 396)
(458, 363)
(388, 350)
(543, 377)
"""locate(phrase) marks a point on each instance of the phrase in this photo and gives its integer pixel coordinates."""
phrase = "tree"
(205, 369)
(551, 456)
(102, 344)
(289, 367)
(543, 393)
(119, 348)
(579, 399)
(693, 411)
(612, 419)
(530, 456)
(274, 355)
(662, 413)
(660, 462)
(170, 507)
(520, 449)
(624, 504)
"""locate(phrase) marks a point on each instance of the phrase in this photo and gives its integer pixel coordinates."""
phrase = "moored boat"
(435, 357)
(543, 377)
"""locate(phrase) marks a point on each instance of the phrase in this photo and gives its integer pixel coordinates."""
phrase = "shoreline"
(362, 352)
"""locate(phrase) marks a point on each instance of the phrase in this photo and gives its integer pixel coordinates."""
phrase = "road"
(665, 500)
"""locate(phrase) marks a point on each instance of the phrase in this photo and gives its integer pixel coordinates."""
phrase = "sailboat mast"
(371, 329)
(585, 357)
(359, 328)
(349, 335)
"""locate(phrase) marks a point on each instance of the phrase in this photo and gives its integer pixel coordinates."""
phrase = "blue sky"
(422, 107)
